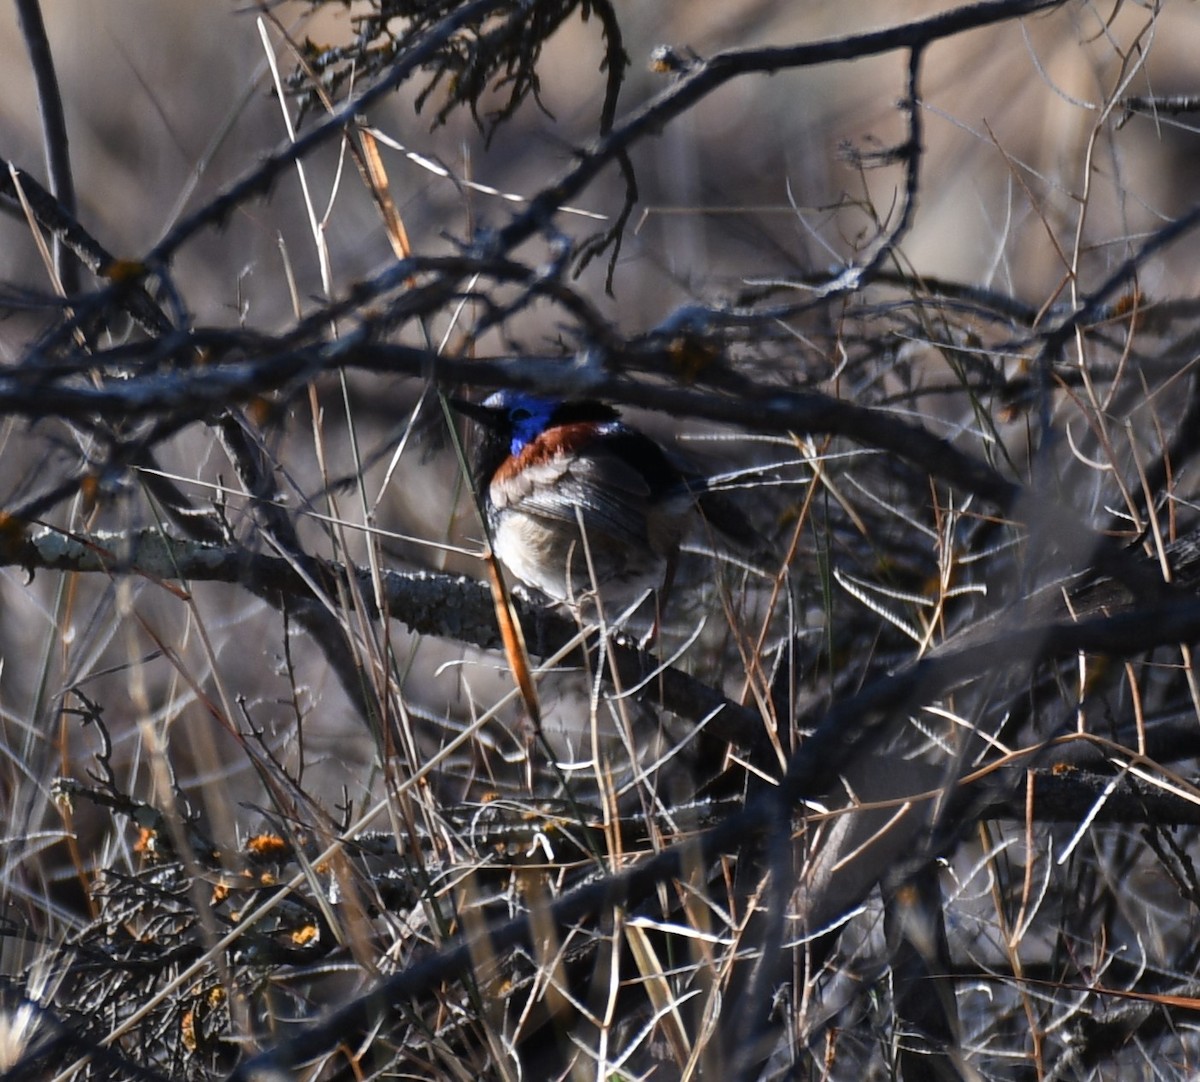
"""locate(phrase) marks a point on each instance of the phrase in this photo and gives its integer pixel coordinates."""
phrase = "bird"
(575, 499)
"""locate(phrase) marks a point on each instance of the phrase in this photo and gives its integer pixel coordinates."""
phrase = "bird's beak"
(478, 412)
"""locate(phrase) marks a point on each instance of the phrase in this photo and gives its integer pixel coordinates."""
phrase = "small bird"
(576, 499)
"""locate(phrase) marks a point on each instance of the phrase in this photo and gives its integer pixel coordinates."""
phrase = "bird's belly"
(550, 554)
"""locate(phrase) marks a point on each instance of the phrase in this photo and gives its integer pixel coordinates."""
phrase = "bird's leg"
(661, 596)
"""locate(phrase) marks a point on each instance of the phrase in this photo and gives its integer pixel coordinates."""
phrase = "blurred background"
(1039, 178)
(1031, 187)
(168, 102)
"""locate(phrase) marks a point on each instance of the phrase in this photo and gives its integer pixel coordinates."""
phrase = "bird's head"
(508, 421)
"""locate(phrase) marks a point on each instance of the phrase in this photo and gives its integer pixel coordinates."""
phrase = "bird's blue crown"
(528, 416)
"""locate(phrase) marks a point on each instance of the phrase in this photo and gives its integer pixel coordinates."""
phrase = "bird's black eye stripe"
(520, 414)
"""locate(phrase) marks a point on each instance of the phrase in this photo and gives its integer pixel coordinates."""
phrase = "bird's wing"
(605, 492)
(570, 472)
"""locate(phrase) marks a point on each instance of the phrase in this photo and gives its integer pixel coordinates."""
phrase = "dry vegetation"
(915, 799)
